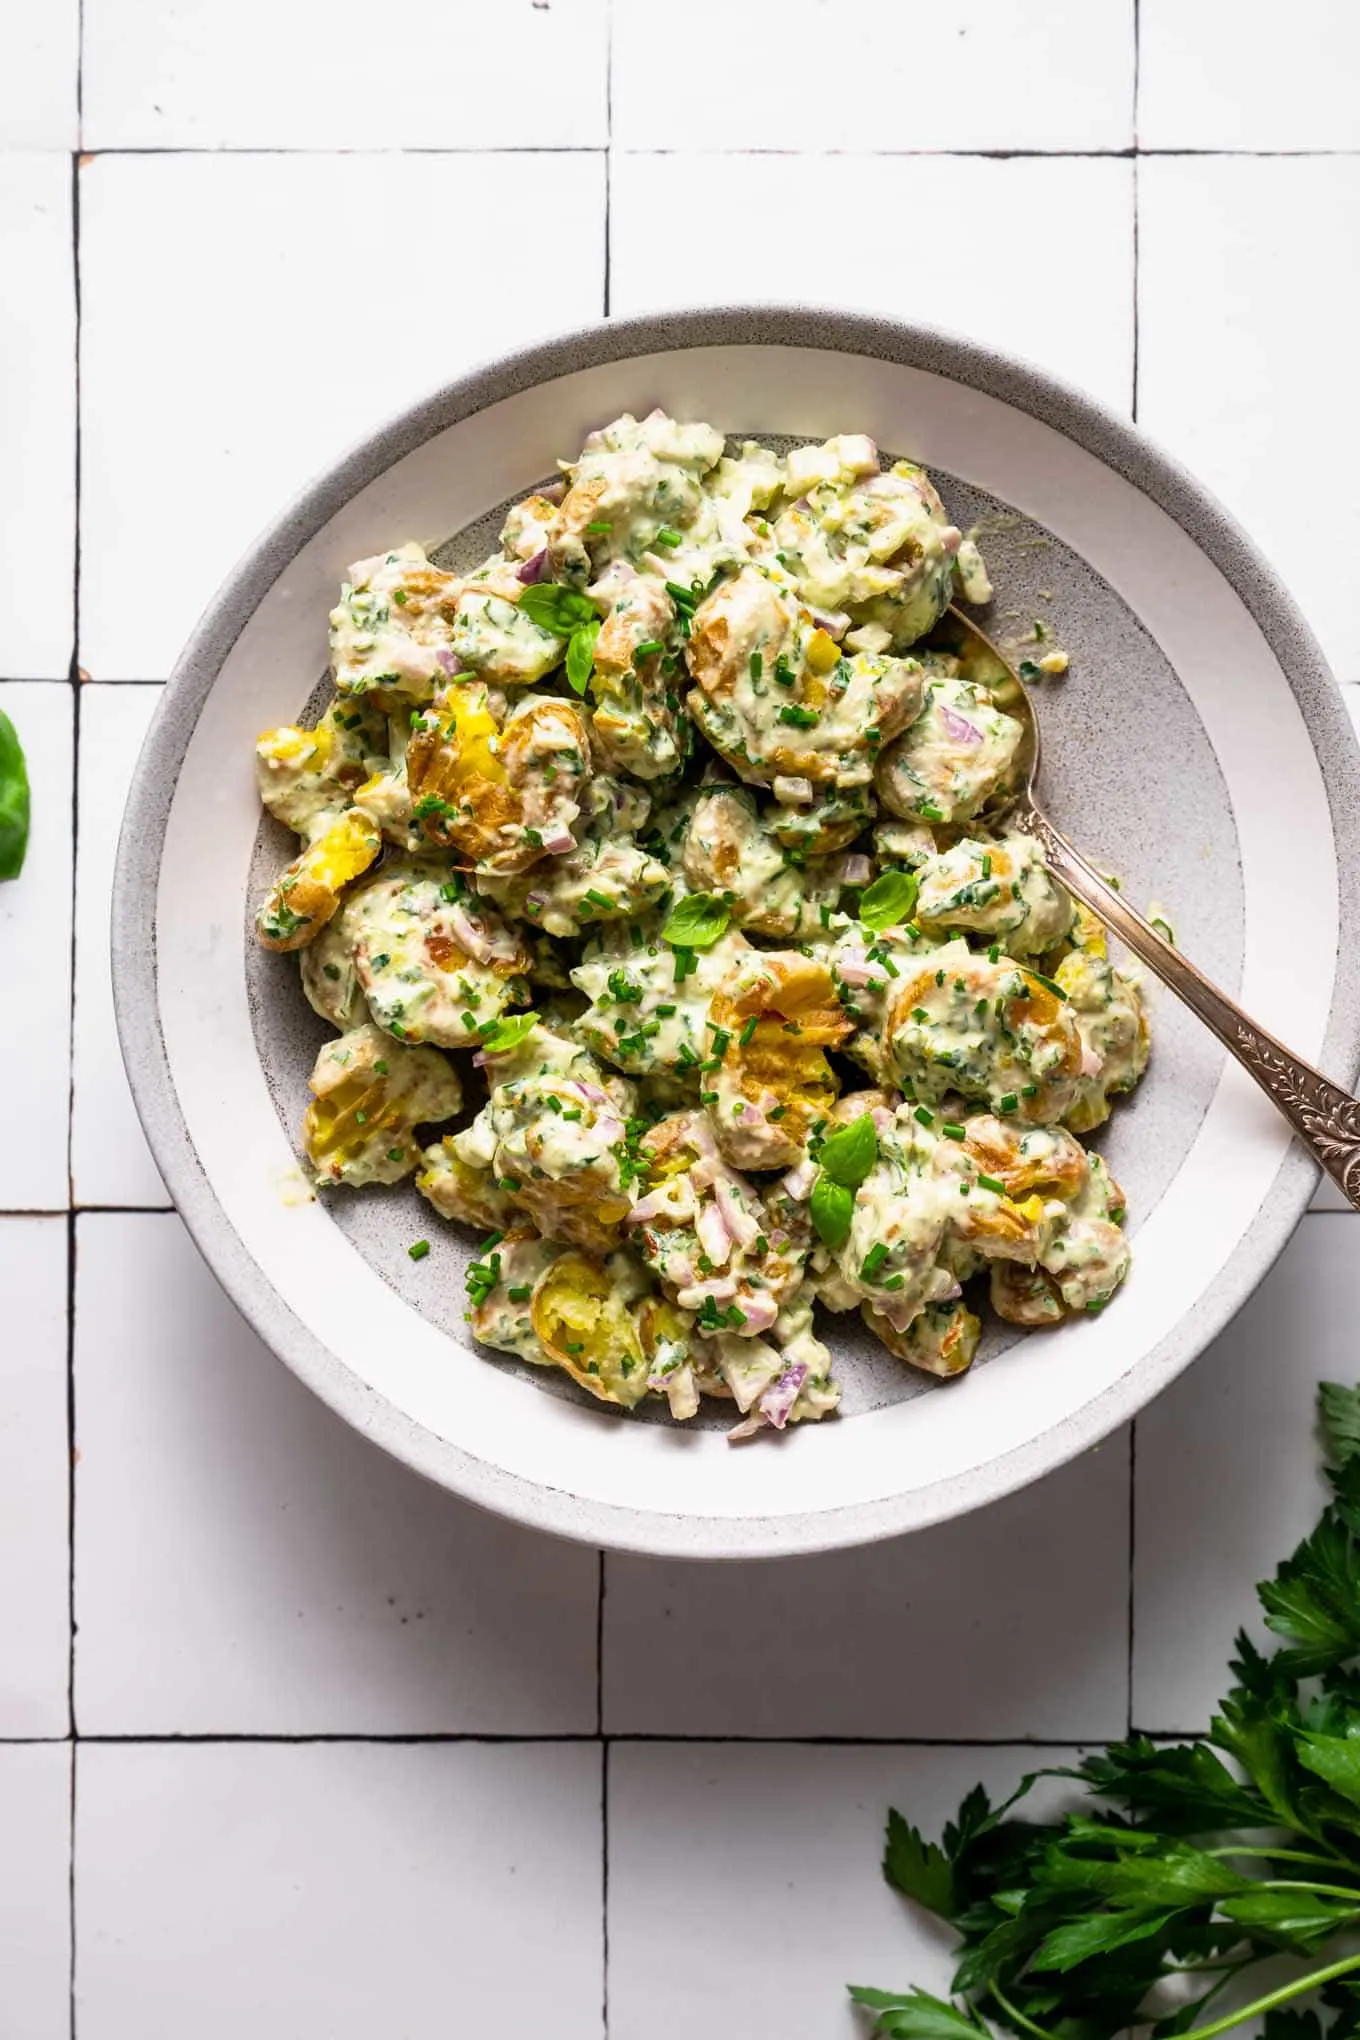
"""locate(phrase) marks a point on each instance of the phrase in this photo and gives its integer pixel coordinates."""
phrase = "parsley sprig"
(1201, 1860)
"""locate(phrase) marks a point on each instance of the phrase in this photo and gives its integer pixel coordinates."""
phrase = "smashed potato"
(368, 1097)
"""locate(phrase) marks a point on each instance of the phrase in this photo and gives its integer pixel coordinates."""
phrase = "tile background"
(289, 1742)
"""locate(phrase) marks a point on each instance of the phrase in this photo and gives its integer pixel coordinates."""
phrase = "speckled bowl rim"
(1070, 412)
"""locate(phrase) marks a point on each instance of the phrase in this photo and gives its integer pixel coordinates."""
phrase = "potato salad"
(656, 880)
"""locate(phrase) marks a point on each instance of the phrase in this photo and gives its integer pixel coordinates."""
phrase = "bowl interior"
(1121, 682)
(1188, 727)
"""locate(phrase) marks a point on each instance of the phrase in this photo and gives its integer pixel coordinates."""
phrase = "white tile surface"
(110, 1160)
(34, 1480)
(1004, 1624)
(338, 1892)
(812, 75)
(35, 955)
(35, 1904)
(278, 74)
(41, 45)
(1236, 383)
(209, 403)
(1227, 1473)
(37, 412)
(245, 1563)
(998, 283)
(785, 1846)
(1208, 78)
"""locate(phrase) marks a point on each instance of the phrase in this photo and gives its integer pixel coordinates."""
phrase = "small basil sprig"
(696, 922)
(581, 655)
(570, 615)
(508, 1033)
(845, 1159)
(556, 609)
(14, 800)
(889, 901)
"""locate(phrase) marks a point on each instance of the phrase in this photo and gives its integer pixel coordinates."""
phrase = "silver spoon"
(1325, 1118)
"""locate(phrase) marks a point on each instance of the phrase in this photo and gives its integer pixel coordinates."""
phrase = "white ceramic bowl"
(1199, 747)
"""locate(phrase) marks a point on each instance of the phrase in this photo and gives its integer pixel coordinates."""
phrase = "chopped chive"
(872, 1261)
(648, 648)
(800, 718)
(670, 539)
(1010, 1101)
(599, 899)
(926, 1118)
(599, 528)
(748, 1030)
(951, 1130)
(990, 1183)
(521, 1292)
(418, 1250)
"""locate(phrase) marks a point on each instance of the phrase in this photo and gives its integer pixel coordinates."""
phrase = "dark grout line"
(1034, 155)
(573, 1737)
(1137, 68)
(71, 1905)
(604, 1890)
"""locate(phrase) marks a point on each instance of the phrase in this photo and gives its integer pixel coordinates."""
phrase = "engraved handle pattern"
(1325, 1118)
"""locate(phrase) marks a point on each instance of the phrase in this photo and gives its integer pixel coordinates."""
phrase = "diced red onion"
(760, 1311)
(473, 938)
(722, 1288)
(855, 870)
(834, 622)
(714, 1237)
(557, 841)
(799, 1181)
(959, 727)
(748, 1427)
(534, 569)
(449, 661)
(852, 971)
(779, 1398)
(740, 1224)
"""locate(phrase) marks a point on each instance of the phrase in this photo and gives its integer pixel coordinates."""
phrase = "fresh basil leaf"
(889, 901)
(696, 922)
(14, 800)
(850, 1153)
(581, 656)
(919, 1868)
(557, 609)
(832, 1207)
(508, 1032)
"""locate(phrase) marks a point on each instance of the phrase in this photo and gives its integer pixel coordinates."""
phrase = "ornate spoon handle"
(1325, 1118)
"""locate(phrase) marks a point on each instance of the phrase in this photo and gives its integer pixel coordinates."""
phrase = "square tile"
(274, 74)
(110, 1160)
(35, 952)
(1009, 298)
(35, 1895)
(1227, 1473)
(208, 407)
(1210, 78)
(1231, 380)
(808, 75)
(42, 57)
(37, 413)
(1011, 1622)
(247, 1564)
(338, 1891)
(785, 1846)
(35, 1471)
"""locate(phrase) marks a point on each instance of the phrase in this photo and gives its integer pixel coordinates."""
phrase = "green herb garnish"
(696, 922)
(832, 1207)
(1201, 1860)
(889, 901)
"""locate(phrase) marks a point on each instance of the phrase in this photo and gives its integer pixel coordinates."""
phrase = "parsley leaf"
(1068, 1927)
